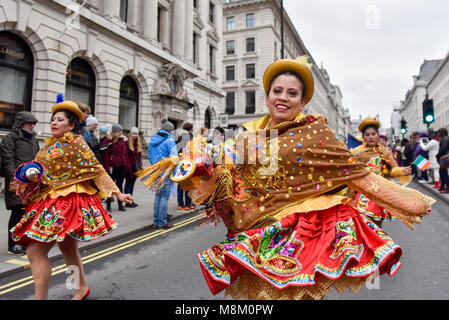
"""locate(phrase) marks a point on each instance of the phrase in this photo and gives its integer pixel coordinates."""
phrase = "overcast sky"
(372, 49)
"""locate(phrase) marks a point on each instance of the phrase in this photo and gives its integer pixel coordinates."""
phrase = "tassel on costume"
(153, 177)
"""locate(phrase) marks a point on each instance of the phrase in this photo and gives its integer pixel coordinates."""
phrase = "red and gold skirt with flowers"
(79, 215)
(371, 209)
(301, 256)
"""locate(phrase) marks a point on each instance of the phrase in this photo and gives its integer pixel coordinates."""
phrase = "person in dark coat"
(19, 146)
(135, 159)
(444, 149)
(116, 160)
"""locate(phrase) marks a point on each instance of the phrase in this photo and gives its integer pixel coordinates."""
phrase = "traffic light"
(403, 126)
(427, 111)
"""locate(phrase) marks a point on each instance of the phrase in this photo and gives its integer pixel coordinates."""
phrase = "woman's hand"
(124, 197)
(407, 171)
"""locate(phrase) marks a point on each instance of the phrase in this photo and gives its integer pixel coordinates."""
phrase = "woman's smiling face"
(285, 99)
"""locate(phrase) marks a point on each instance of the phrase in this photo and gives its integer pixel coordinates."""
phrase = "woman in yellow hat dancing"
(381, 162)
(66, 206)
(291, 235)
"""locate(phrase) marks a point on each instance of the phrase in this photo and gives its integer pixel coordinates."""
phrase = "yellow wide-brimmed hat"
(369, 122)
(70, 106)
(301, 66)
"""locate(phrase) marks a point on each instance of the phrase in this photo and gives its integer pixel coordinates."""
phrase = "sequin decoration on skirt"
(371, 209)
(336, 247)
(78, 215)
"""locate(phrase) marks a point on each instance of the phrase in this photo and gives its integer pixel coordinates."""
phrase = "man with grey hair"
(18, 147)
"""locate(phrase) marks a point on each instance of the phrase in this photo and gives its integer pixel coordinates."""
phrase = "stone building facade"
(133, 61)
(411, 109)
(252, 41)
(438, 91)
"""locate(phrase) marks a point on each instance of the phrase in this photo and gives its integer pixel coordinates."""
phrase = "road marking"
(19, 262)
(100, 254)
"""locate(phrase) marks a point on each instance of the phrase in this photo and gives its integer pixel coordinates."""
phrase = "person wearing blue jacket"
(162, 145)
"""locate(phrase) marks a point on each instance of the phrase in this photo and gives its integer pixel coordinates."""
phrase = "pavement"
(132, 221)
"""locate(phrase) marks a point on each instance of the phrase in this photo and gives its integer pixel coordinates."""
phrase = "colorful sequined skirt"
(301, 256)
(78, 215)
(371, 209)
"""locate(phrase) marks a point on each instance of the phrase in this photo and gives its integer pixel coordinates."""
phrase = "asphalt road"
(162, 265)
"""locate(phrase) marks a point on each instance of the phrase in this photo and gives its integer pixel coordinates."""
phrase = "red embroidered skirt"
(372, 209)
(78, 215)
(299, 249)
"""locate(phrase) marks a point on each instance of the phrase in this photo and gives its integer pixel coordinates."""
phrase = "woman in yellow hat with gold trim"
(66, 206)
(291, 235)
(381, 162)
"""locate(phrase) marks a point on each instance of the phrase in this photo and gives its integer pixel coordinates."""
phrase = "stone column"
(189, 30)
(149, 20)
(179, 18)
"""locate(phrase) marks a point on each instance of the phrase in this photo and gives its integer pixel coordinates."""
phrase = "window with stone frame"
(250, 102)
(16, 80)
(250, 44)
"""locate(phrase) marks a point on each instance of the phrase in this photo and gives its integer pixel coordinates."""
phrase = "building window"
(211, 59)
(230, 23)
(211, 12)
(230, 73)
(195, 4)
(124, 10)
(250, 20)
(16, 70)
(250, 71)
(250, 45)
(230, 47)
(230, 102)
(250, 102)
(80, 83)
(208, 119)
(195, 48)
(129, 103)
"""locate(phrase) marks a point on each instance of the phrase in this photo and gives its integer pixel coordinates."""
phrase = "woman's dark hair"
(73, 119)
(370, 127)
(187, 126)
(442, 132)
(290, 73)
(220, 129)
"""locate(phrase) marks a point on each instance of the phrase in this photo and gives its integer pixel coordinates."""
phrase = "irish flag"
(422, 163)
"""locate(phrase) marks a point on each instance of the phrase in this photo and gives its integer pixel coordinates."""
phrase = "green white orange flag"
(422, 163)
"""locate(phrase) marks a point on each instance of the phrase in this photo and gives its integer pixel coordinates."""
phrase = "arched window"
(80, 85)
(208, 119)
(129, 103)
(16, 77)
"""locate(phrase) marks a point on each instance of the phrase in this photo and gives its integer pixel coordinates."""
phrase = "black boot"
(108, 205)
(120, 206)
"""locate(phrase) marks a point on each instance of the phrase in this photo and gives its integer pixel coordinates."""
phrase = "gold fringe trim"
(156, 174)
(251, 287)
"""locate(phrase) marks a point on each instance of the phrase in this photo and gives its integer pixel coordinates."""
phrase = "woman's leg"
(69, 248)
(37, 253)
